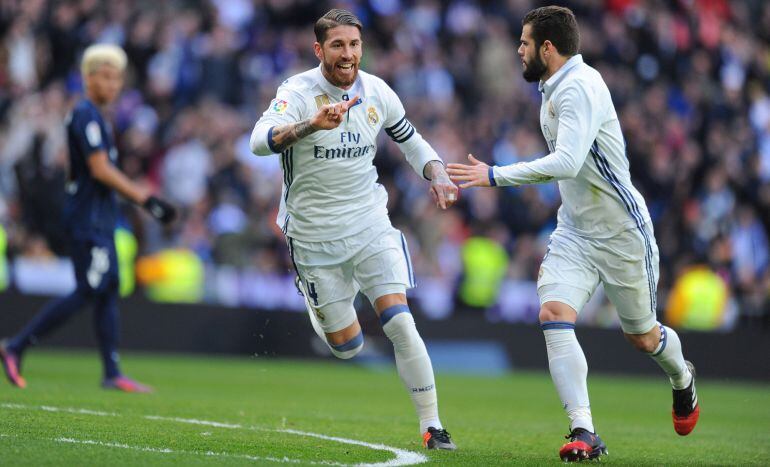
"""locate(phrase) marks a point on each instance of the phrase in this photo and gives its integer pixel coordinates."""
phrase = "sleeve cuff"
(425, 166)
(491, 174)
(270, 140)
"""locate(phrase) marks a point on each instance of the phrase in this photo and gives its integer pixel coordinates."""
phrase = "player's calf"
(647, 342)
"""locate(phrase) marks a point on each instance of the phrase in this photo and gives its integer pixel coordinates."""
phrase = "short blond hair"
(102, 54)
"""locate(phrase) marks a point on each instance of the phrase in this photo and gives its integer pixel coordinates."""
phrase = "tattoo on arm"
(286, 135)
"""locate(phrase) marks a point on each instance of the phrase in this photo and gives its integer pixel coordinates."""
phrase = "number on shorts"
(312, 293)
(100, 264)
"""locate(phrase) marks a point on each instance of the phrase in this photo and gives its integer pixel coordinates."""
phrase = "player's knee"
(554, 311)
(644, 342)
(348, 349)
(398, 324)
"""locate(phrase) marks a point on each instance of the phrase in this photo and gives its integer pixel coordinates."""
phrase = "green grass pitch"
(276, 412)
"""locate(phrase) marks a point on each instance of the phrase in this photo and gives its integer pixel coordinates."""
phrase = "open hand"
(475, 174)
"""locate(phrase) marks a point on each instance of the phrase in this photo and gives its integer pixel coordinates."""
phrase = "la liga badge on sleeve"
(279, 106)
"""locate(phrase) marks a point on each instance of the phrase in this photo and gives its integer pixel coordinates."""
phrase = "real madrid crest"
(551, 112)
(371, 116)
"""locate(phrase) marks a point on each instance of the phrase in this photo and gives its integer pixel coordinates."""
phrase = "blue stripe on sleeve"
(491, 175)
(270, 140)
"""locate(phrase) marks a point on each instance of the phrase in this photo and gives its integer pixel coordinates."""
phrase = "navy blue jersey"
(90, 207)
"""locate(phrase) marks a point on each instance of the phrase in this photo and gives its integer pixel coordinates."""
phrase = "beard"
(338, 79)
(534, 70)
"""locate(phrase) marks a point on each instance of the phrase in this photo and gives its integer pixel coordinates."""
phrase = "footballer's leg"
(335, 323)
(569, 372)
(106, 326)
(383, 269)
(662, 344)
(414, 367)
(103, 283)
(633, 292)
(328, 291)
(54, 314)
(566, 281)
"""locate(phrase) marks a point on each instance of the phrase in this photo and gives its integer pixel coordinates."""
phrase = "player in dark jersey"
(90, 215)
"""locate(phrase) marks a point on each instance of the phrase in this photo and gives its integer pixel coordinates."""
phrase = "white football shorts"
(626, 264)
(375, 261)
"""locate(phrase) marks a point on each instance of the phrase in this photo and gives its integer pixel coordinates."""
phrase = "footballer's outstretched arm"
(578, 126)
(281, 137)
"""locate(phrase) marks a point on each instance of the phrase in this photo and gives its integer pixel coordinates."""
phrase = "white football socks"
(413, 364)
(669, 356)
(569, 371)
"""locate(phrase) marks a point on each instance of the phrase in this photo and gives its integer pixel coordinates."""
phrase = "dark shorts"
(96, 263)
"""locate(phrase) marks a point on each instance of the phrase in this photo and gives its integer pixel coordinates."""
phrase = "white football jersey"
(587, 156)
(330, 187)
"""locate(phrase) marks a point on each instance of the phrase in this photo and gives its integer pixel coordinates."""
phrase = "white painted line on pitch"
(193, 421)
(98, 413)
(403, 456)
(113, 445)
(48, 408)
(106, 444)
(91, 442)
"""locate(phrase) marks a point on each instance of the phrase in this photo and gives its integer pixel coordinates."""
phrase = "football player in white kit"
(603, 234)
(324, 123)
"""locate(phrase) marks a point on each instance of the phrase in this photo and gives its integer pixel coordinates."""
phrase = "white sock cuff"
(398, 323)
(663, 340)
(557, 325)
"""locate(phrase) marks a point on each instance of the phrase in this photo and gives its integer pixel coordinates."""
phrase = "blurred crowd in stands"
(690, 80)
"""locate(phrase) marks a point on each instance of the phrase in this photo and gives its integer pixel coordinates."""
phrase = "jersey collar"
(547, 87)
